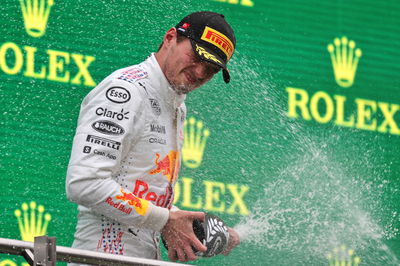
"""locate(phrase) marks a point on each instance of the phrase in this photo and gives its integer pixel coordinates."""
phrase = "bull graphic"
(139, 204)
(168, 166)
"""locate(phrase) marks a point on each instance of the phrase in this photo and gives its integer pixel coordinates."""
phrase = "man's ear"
(170, 36)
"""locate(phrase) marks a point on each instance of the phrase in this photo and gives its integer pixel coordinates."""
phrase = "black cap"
(211, 36)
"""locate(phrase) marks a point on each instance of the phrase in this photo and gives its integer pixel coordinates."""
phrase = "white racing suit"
(125, 161)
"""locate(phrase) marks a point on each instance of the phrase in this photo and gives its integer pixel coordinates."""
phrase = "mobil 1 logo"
(118, 95)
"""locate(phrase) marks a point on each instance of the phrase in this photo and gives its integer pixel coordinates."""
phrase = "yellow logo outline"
(343, 256)
(202, 52)
(344, 57)
(36, 14)
(32, 221)
(194, 142)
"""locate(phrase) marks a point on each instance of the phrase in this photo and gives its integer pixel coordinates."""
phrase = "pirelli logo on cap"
(218, 39)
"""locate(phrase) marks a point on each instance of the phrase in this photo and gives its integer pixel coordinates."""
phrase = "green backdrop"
(303, 152)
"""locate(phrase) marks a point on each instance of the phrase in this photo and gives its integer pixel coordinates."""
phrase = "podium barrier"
(44, 252)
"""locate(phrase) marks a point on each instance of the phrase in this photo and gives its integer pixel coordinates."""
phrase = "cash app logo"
(343, 256)
(194, 143)
(36, 14)
(32, 221)
(344, 57)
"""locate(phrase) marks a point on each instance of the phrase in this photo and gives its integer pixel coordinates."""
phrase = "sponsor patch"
(168, 166)
(218, 39)
(105, 112)
(155, 106)
(103, 142)
(108, 127)
(133, 74)
(105, 154)
(87, 149)
(158, 140)
(143, 190)
(157, 129)
(118, 205)
(118, 95)
(139, 204)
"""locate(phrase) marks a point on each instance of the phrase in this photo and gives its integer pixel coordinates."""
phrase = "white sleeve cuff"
(157, 218)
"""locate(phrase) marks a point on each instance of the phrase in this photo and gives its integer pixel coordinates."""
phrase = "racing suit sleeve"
(110, 121)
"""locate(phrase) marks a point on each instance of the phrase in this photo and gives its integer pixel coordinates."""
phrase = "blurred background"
(301, 147)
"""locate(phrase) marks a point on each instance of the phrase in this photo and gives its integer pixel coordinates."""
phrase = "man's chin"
(182, 89)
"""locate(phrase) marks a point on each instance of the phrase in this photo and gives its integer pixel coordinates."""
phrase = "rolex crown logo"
(344, 57)
(31, 221)
(343, 256)
(36, 14)
(194, 142)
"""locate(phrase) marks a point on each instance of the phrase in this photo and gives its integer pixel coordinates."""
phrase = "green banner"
(299, 153)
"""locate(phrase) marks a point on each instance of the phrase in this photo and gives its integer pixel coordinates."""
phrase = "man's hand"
(233, 241)
(179, 236)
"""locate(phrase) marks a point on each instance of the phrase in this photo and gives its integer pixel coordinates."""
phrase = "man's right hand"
(179, 236)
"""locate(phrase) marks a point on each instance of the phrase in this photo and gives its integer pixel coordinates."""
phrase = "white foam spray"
(323, 196)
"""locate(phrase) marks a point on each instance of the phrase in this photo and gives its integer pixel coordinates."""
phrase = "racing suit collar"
(160, 81)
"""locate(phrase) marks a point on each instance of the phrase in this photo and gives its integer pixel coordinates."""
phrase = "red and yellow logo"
(139, 204)
(168, 166)
(218, 39)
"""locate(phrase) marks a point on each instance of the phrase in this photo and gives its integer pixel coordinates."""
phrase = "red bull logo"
(118, 205)
(168, 166)
(143, 191)
(139, 204)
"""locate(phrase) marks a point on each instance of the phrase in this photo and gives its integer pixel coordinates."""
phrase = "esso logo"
(118, 95)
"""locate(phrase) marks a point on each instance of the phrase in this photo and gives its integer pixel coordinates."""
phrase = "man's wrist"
(157, 218)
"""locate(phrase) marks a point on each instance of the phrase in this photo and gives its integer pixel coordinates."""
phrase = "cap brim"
(208, 55)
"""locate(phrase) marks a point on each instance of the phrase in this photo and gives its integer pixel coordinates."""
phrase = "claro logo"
(112, 114)
(118, 95)
(108, 127)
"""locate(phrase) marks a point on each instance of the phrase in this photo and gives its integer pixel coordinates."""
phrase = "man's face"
(184, 70)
